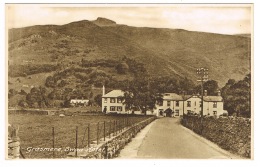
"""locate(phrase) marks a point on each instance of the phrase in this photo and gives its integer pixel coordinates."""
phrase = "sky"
(223, 19)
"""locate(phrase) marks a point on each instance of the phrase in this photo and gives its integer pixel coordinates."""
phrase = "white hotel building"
(172, 103)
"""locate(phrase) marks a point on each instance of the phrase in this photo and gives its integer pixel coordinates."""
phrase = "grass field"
(35, 131)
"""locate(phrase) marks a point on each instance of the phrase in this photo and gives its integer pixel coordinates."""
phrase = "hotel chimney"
(205, 93)
(219, 93)
(103, 90)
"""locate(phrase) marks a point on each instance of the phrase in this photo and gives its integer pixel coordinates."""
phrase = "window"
(112, 100)
(119, 100)
(176, 112)
(214, 113)
(105, 100)
(188, 104)
(214, 104)
(168, 103)
(112, 108)
(119, 108)
(177, 103)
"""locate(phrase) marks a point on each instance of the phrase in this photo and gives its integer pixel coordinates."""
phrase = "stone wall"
(230, 133)
(111, 147)
(13, 143)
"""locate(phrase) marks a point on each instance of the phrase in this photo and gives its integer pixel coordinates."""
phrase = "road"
(166, 138)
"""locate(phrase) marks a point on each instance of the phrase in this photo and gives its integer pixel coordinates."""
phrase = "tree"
(11, 93)
(122, 68)
(50, 82)
(91, 94)
(23, 103)
(237, 97)
(212, 87)
(98, 99)
(22, 92)
(67, 104)
(37, 97)
(139, 95)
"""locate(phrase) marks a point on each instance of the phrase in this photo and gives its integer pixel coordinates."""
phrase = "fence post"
(115, 127)
(109, 129)
(104, 130)
(53, 138)
(88, 135)
(76, 154)
(97, 131)
(119, 124)
(84, 137)
(124, 123)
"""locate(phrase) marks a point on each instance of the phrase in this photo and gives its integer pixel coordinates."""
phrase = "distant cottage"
(79, 102)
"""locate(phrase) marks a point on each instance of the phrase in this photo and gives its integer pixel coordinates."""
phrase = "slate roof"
(114, 93)
(174, 96)
(212, 98)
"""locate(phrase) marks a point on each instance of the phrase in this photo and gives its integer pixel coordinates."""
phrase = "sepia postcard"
(129, 81)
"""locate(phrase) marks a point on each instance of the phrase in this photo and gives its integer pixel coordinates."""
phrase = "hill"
(165, 52)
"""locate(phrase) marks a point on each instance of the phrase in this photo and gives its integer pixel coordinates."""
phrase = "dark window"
(168, 103)
(214, 112)
(176, 112)
(160, 103)
(177, 103)
(214, 104)
(112, 100)
(119, 100)
(188, 103)
(119, 108)
(112, 108)
(105, 100)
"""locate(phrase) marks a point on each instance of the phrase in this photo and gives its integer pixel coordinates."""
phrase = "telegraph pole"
(202, 77)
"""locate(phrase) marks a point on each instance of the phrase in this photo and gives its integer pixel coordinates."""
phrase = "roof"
(212, 98)
(209, 98)
(174, 96)
(79, 100)
(114, 93)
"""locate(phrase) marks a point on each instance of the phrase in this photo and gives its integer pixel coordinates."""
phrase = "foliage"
(211, 86)
(12, 93)
(122, 68)
(23, 70)
(139, 95)
(170, 84)
(37, 97)
(98, 99)
(237, 96)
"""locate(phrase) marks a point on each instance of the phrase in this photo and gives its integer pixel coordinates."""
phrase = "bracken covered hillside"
(174, 52)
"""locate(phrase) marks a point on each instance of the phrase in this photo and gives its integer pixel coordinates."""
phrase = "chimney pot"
(205, 93)
(104, 90)
(219, 93)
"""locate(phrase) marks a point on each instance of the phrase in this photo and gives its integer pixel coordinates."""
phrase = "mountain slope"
(226, 56)
(172, 52)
